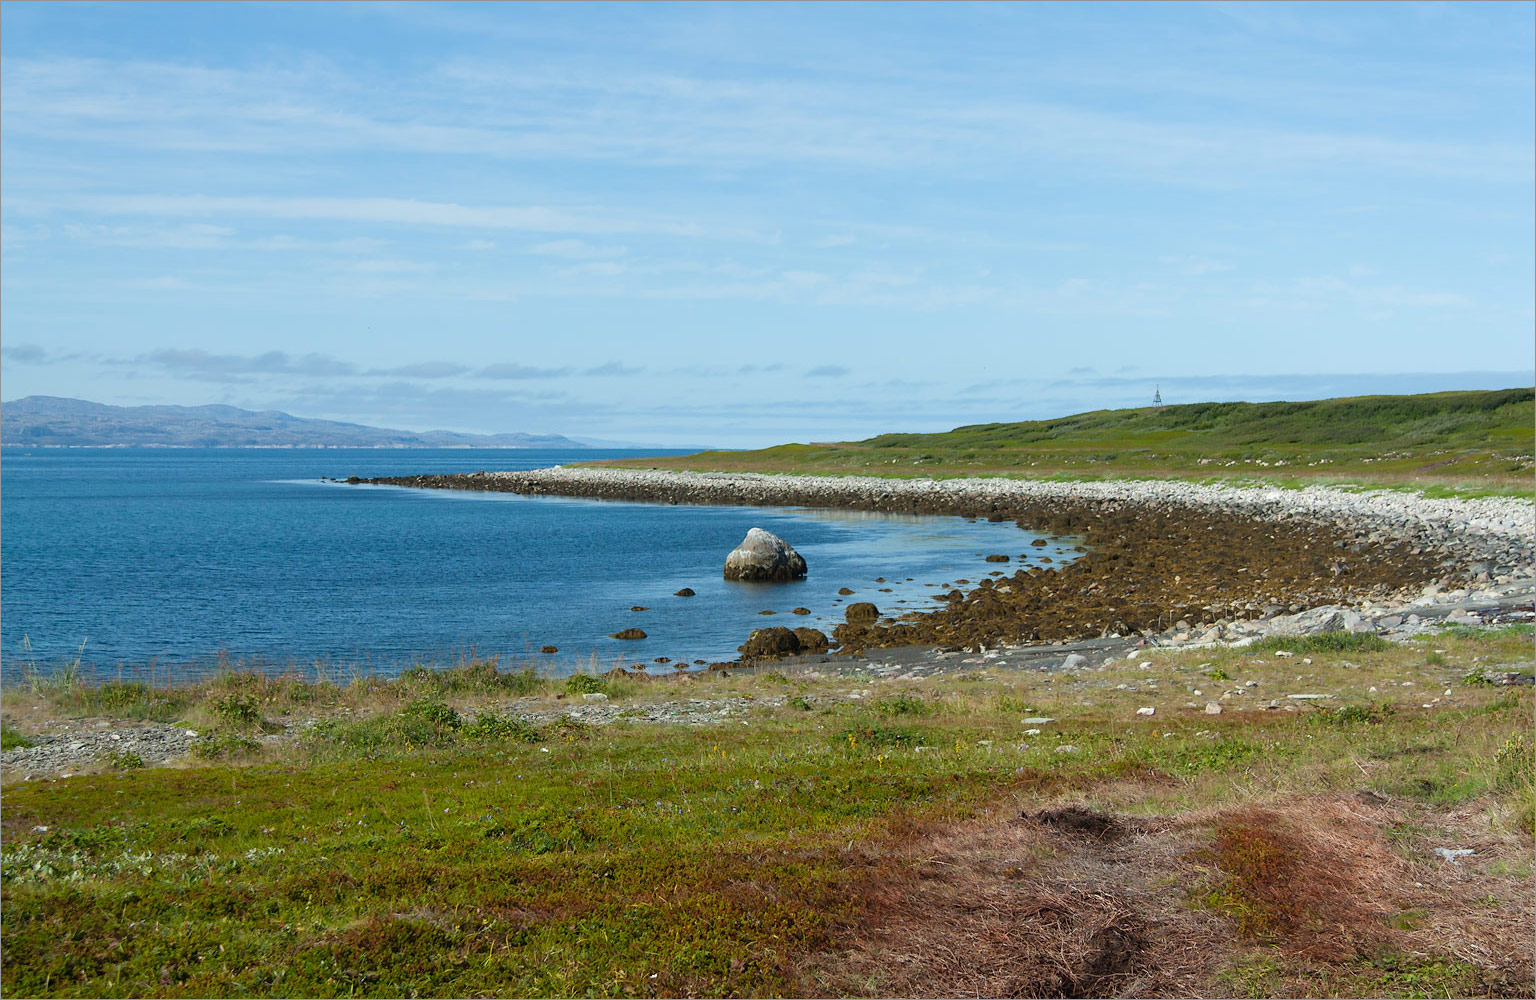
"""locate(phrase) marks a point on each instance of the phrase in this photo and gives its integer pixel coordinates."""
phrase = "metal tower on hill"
(1157, 398)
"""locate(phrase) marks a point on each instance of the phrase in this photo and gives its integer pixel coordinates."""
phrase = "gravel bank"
(1495, 535)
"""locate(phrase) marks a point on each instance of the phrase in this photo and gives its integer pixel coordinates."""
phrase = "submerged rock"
(764, 556)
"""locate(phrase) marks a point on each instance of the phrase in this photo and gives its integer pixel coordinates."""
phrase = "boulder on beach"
(862, 612)
(812, 640)
(770, 642)
(764, 556)
(1318, 621)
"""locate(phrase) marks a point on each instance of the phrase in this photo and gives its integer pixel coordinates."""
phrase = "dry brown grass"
(1070, 901)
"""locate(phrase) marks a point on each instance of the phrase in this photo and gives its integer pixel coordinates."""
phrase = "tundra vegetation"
(461, 832)
(1462, 443)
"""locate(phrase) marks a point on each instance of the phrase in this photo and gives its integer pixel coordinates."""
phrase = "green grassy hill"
(1461, 439)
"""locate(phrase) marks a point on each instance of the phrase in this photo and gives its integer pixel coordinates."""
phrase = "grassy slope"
(1460, 439)
(815, 851)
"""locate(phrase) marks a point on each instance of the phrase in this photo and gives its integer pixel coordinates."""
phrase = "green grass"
(429, 842)
(1325, 642)
(1446, 444)
(10, 739)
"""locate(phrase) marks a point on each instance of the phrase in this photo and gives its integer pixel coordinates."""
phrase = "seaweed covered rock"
(770, 642)
(812, 640)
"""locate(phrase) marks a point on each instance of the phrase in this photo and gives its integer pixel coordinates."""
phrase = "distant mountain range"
(55, 421)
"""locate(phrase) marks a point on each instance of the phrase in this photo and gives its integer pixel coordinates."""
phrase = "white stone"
(1146, 710)
(764, 556)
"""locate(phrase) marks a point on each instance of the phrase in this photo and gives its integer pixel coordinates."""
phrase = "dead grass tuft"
(1068, 900)
(1037, 907)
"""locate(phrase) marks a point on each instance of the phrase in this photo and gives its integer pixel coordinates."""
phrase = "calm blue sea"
(169, 559)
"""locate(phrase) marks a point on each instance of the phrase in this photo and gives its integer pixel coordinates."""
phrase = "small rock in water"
(844, 590)
(629, 633)
(801, 611)
(639, 607)
(862, 612)
(549, 649)
(685, 592)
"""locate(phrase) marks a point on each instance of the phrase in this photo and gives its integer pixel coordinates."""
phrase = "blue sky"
(739, 225)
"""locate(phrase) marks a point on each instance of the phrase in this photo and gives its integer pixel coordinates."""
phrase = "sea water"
(172, 561)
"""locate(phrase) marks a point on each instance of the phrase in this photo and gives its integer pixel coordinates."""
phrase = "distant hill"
(55, 421)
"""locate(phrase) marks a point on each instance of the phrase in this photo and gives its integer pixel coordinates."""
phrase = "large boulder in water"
(764, 556)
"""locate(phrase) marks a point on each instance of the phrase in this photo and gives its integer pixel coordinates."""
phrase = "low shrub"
(586, 684)
(903, 704)
(123, 760)
(490, 726)
(1323, 642)
(225, 746)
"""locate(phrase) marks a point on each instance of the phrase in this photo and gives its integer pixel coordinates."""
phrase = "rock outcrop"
(771, 643)
(764, 556)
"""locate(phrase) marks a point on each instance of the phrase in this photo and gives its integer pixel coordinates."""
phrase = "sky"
(738, 225)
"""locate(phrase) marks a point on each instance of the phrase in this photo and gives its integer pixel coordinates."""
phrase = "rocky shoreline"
(1162, 557)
